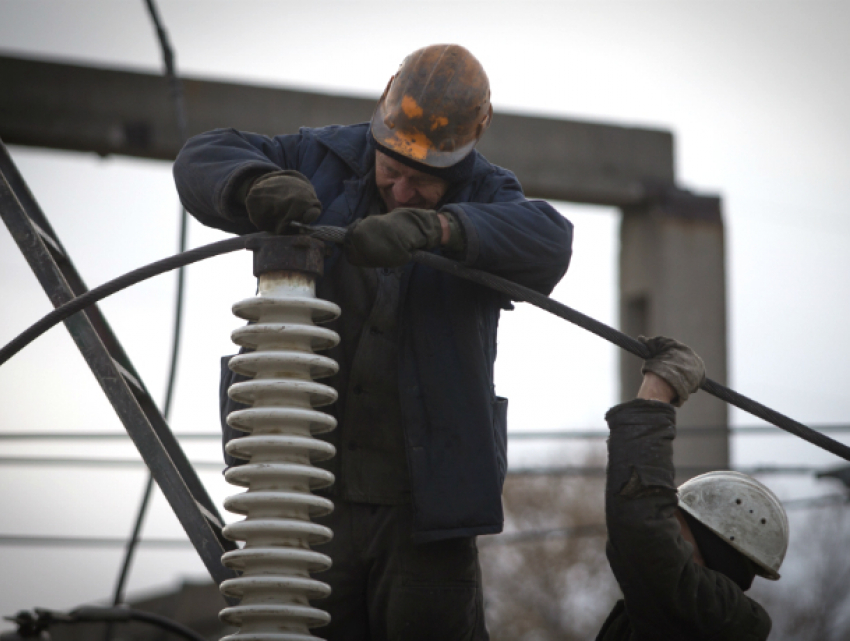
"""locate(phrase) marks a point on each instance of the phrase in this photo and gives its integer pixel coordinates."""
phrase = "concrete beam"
(109, 111)
(673, 283)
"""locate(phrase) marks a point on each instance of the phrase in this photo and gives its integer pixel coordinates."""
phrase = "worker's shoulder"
(488, 178)
(348, 142)
(755, 627)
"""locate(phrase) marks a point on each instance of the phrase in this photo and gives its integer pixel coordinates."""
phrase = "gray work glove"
(274, 200)
(389, 240)
(676, 363)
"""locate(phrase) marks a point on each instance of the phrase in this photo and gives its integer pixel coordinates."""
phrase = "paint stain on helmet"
(438, 121)
(410, 107)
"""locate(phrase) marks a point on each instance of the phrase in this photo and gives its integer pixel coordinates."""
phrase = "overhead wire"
(564, 470)
(176, 93)
(505, 538)
(599, 529)
(562, 434)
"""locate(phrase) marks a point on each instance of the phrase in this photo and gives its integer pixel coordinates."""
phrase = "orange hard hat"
(435, 108)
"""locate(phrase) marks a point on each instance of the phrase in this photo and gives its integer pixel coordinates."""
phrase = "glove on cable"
(274, 200)
(389, 240)
(676, 363)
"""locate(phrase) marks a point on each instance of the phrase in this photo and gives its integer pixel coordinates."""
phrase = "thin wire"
(506, 538)
(767, 430)
(580, 471)
(70, 461)
(599, 529)
(27, 540)
(180, 113)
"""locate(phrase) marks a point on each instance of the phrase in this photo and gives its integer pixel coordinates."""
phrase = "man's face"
(403, 186)
(689, 537)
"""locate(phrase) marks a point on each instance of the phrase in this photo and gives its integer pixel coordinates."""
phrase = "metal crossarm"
(109, 363)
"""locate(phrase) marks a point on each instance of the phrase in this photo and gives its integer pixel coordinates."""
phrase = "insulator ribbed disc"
(300, 558)
(310, 617)
(240, 586)
(254, 363)
(312, 533)
(270, 500)
(248, 391)
(261, 334)
(244, 475)
(253, 309)
(251, 419)
(280, 445)
(276, 559)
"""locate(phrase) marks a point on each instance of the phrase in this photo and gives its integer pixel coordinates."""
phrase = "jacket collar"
(352, 144)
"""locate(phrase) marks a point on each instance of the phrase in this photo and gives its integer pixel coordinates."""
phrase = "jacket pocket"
(500, 435)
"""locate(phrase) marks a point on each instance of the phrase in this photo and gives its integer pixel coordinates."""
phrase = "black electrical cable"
(176, 90)
(631, 345)
(116, 285)
(516, 292)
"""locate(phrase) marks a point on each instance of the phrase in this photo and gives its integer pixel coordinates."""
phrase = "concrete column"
(673, 283)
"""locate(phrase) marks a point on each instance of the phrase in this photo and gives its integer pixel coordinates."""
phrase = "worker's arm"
(667, 595)
(214, 171)
(525, 241)
(488, 224)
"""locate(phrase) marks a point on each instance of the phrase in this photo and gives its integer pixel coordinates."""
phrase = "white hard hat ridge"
(743, 512)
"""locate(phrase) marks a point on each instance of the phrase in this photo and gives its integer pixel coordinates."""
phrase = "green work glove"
(676, 363)
(389, 240)
(274, 200)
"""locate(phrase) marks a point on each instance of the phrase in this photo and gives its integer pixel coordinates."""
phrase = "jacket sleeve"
(212, 167)
(525, 241)
(667, 595)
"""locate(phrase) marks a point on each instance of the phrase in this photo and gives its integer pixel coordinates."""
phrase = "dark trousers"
(386, 588)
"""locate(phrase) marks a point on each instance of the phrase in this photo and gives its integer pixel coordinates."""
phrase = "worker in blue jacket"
(421, 436)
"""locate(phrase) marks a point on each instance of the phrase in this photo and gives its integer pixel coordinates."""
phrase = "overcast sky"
(756, 94)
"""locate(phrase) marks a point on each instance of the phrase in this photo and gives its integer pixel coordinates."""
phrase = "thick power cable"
(516, 292)
(116, 285)
(631, 345)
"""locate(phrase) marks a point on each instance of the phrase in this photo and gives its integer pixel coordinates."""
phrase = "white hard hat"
(742, 512)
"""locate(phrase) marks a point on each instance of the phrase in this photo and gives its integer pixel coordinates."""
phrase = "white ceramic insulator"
(276, 561)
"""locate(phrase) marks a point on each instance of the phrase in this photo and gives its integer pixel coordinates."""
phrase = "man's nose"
(403, 192)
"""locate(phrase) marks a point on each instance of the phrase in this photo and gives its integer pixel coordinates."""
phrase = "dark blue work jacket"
(454, 424)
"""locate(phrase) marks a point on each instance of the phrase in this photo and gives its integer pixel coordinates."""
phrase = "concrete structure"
(672, 283)
(672, 269)
(107, 111)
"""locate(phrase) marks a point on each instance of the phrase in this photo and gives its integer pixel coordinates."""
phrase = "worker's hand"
(282, 197)
(676, 363)
(389, 240)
